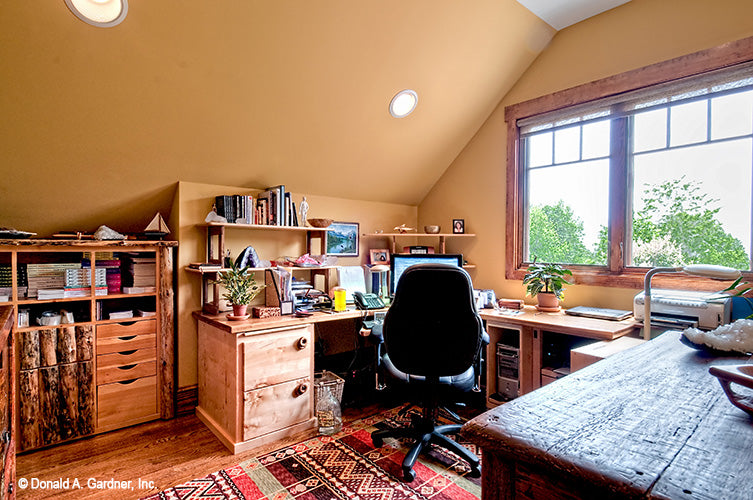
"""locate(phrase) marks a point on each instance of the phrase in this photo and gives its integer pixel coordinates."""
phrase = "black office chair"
(430, 344)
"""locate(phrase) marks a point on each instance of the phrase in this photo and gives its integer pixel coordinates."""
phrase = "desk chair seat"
(430, 347)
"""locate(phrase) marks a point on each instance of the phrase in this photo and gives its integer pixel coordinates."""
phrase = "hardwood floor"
(152, 456)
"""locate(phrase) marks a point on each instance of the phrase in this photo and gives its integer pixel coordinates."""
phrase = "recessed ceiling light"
(403, 103)
(101, 13)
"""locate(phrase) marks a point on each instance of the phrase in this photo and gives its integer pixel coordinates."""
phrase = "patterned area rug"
(345, 466)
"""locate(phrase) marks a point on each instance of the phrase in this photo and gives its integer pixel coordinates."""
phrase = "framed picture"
(342, 239)
(458, 226)
(379, 256)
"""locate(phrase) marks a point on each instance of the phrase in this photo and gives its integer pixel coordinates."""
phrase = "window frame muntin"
(616, 273)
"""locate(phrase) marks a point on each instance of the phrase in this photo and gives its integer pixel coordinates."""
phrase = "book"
(121, 314)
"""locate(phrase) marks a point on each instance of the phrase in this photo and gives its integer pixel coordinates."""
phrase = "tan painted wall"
(192, 203)
(636, 34)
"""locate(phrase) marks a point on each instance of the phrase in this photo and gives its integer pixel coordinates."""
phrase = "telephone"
(367, 301)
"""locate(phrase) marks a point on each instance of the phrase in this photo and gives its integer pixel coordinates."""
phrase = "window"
(659, 176)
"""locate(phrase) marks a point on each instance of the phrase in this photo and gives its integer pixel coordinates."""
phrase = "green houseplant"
(240, 287)
(547, 282)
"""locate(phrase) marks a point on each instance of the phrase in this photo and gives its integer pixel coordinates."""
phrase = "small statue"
(304, 209)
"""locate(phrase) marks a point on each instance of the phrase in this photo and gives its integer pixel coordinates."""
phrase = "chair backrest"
(432, 327)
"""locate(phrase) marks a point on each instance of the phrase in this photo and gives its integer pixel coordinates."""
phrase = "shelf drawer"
(276, 407)
(126, 329)
(277, 357)
(108, 375)
(126, 403)
(126, 343)
(127, 357)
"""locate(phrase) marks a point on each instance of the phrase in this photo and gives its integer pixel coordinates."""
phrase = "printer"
(680, 309)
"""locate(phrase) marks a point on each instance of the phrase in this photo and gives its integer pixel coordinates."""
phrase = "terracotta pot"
(548, 300)
(239, 309)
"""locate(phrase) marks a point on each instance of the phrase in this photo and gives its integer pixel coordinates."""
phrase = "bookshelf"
(215, 243)
(81, 372)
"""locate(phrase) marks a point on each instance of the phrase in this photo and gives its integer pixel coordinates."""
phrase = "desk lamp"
(703, 270)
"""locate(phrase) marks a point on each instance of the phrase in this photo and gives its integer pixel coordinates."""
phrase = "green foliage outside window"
(676, 226)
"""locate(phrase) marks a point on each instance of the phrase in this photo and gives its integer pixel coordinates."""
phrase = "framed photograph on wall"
(342, 239)
(379, 256)
(458, 226)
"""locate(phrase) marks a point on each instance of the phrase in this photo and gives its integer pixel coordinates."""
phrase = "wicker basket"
(330, 380)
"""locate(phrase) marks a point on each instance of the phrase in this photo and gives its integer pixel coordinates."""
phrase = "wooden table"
(649, 422)
(529, 328)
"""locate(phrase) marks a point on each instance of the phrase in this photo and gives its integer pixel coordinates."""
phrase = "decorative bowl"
(432, 229)
(322, 223)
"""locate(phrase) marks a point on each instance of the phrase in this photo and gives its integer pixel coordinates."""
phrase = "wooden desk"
(650, 422)
(528, 331)
(256, 376)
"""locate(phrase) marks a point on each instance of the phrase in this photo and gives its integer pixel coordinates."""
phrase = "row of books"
(272, 207)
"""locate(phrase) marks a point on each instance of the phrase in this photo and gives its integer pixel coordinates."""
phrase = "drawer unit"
(126, 373)
(126, 403)
(272, 359)
(275, 407)
(126, 329)
(255, 387)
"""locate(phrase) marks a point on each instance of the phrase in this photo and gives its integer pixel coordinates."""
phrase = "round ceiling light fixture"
(403, 103)
(101, 13)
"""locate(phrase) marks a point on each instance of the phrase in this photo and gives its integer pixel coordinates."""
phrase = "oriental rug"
(345, 466)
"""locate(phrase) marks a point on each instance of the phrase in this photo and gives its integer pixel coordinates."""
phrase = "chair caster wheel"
(409, 475)
(475, 472)
(377, 441)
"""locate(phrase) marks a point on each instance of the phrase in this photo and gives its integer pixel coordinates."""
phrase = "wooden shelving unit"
(442, 237)
(65, 371)
(216, 233)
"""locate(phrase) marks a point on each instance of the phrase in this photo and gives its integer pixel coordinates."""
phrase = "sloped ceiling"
(243, 93)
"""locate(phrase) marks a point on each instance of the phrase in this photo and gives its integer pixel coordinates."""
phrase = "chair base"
(425, 433)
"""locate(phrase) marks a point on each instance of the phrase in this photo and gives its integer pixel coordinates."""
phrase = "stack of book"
(111, 265)
(121, 314)
(272, 207)
(78, 282)
(47, 276)
(142, 274)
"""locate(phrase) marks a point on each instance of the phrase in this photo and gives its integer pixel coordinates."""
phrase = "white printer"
(681, 309)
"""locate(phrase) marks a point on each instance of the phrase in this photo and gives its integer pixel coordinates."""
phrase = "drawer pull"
(302, 343)
(128, 353)
(127, 323)
(127, 367)
(301, 389)
(128, 337)
(126, 382)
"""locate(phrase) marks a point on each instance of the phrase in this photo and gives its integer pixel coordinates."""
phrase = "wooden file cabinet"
(126, 373)
(255, 386)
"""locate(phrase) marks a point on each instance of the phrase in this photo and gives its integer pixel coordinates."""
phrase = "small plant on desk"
(240, 287)
(547, 281)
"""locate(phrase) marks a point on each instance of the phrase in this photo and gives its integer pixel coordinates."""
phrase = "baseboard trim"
(187, 400)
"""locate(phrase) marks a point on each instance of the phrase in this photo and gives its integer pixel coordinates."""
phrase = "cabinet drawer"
(108, 375)
(126, 329)
(126, 343)
(276, 407)
(127, 357)
(277, 357)
(125, 403)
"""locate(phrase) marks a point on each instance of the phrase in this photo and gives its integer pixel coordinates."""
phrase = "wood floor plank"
(165, 453)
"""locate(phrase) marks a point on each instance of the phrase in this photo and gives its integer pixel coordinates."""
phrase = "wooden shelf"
(262, 226)
(260, 269)
(372, 235)
(442, 237)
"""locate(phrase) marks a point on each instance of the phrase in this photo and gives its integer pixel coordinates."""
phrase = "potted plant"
(240, 287)
(546, 281)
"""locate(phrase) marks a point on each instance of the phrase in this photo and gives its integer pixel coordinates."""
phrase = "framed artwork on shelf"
(458, 226)
(342, 239)
(379, 256)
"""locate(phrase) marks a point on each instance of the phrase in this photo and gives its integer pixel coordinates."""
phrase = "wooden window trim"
(615, 273)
